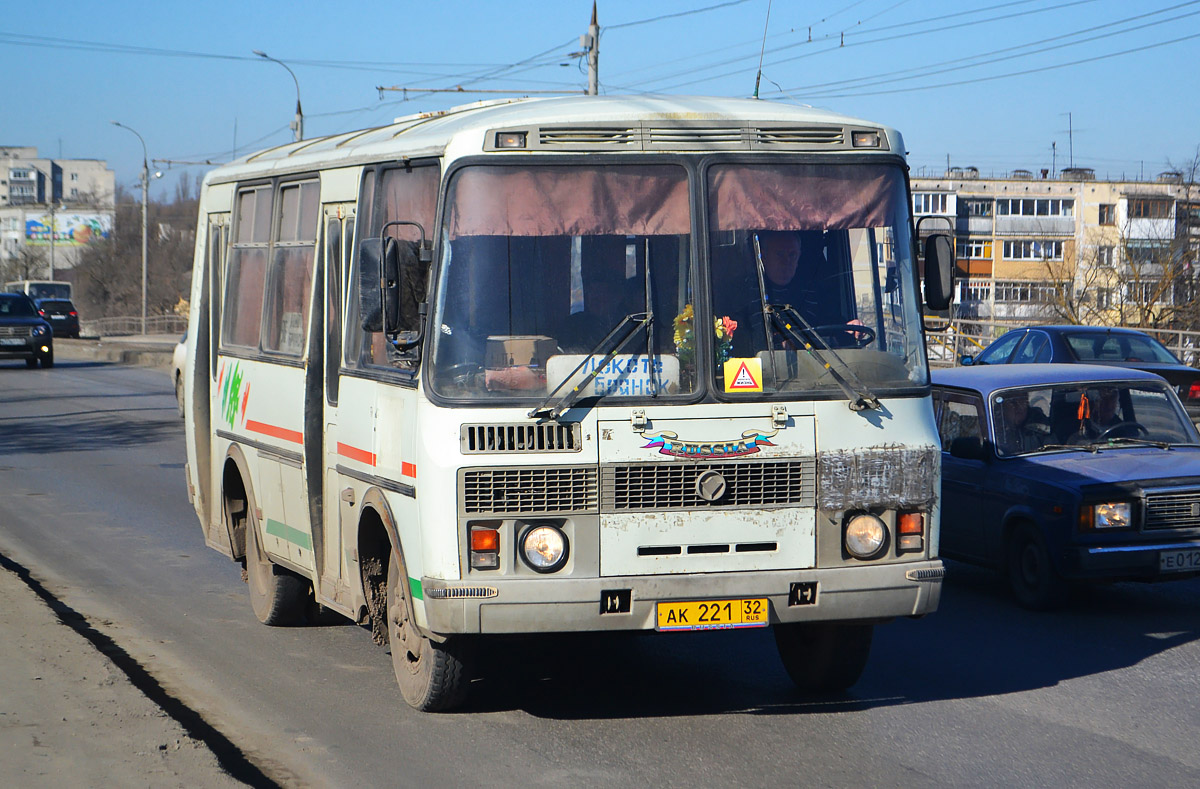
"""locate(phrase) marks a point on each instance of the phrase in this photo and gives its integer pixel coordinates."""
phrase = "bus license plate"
(712, 614)
(1179, 561)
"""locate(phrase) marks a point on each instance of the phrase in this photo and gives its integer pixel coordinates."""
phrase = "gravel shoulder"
(70, 717)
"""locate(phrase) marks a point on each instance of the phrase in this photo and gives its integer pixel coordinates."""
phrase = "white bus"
(40, 288)
(529, 366)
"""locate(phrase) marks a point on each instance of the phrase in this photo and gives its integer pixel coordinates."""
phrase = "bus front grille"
(526, 490)
(673, 485)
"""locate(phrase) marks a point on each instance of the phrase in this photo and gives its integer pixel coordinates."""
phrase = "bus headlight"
(544, 547)
(865, 535)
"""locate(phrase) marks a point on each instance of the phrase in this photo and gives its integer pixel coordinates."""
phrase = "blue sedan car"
(1056, 474)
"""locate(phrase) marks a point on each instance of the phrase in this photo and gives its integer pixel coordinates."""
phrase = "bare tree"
(29, 263)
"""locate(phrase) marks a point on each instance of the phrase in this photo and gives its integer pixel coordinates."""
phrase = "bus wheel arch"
(277, 596)
(432, 673)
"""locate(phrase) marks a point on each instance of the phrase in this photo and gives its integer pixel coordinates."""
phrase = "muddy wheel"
(48, 360)
(179, 395)
(1031, 574)
(277, 596)
(432, 676)
(824, 657)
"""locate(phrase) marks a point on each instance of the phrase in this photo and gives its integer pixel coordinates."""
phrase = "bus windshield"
(540, 265)
(827, 250)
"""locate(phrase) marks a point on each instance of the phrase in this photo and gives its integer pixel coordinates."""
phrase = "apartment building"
(1065, 247)
(75, 197)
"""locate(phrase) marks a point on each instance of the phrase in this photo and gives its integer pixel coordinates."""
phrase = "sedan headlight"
(1107, 515)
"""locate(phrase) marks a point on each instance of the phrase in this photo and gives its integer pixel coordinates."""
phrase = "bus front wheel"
(278, 597)
(432, 677)
(824, 657)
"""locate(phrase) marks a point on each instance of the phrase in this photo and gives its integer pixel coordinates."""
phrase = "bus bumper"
(545, 605)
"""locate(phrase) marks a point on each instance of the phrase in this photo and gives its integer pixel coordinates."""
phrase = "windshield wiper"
(1047, 447)
(625, 329)
(634, 321)
(1136, 441)
(861, 398)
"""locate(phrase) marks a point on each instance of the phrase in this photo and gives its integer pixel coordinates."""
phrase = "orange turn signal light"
(485, 540)
(911, 523)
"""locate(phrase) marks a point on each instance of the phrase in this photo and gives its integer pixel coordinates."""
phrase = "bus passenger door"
(205, 393)
(338, 241)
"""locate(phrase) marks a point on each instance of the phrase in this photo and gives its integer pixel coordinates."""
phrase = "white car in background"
(178, 359)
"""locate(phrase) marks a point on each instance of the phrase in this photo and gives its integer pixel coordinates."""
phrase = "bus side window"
(246, 278)
(405, 195)
(290, 279)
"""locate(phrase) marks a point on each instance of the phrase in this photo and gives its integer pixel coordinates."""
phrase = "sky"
(996, 84)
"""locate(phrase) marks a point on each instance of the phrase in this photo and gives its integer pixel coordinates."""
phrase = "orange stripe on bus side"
(409, 469)
(274, 432)
(354, 453)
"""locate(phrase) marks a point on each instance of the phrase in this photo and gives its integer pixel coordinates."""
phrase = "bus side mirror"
(939, 271)
(378, 282)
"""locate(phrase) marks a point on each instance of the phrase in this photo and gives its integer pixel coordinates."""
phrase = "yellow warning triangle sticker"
(743, 375)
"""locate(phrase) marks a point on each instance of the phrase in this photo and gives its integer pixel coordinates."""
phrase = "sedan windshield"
(541, 264)
(1101, 413)
(812, 279)
(16, 307)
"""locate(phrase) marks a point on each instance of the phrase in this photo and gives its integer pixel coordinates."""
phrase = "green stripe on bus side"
(414, 584)
(285, 532)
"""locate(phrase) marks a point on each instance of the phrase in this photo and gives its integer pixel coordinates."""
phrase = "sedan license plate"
(1179, 561)
(11, 341)
(712, 614)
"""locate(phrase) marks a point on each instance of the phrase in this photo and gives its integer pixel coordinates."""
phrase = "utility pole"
(297, 124)
(1053, 159)
(145, 224)
(590, 41)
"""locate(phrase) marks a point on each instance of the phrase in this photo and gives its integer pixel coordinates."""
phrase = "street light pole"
(145, 202)
(297, 125)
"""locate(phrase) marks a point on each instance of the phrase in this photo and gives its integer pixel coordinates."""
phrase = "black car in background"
(23, 333)
(1110, 346)
(61, 315)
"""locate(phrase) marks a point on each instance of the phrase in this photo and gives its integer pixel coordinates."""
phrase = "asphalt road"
(93, 501)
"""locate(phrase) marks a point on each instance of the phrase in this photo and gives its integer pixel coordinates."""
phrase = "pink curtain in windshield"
(802, 197)
(570, 201)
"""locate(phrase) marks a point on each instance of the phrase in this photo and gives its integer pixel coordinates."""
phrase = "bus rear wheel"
(278, 597)
(824, 657)
(432, 677)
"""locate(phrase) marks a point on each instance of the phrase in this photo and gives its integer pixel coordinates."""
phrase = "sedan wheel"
(1031, 574)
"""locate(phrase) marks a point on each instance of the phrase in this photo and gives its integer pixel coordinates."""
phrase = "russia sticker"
(743, 375)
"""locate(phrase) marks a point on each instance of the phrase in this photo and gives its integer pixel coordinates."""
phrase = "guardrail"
(948, 342)
(124, 326)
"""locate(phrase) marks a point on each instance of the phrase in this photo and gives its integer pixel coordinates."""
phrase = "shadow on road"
(978, 644)
(87, 430)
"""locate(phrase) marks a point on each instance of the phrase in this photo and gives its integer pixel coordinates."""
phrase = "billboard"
(71, 229)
